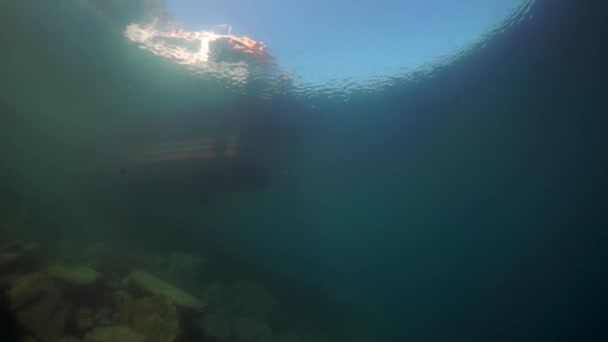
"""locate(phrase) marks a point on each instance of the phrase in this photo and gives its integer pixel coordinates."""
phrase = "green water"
(465, 204)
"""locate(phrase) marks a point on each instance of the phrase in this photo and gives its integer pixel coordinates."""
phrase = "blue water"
(320, 41)
(463, 204)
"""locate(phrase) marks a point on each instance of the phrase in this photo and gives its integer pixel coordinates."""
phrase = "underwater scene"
(162, 181)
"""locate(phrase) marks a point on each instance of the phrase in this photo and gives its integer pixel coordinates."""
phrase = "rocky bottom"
(100, 293)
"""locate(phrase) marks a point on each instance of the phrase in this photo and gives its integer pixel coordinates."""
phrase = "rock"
(85, 319)
(8, 260)
(46, 319)
(10, 246)
(77, 275)
(19, 257)
(114, 333)
(216, 327)
(31, 247)
(250, 330)
(155, 317)
(30, 288)
(38, 306)
(123, 301)
(149, 283)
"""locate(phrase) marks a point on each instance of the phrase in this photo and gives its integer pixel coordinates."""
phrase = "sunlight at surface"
(187, 48)
(319, 41)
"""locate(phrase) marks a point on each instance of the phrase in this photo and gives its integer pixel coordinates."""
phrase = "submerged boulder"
(18, 257)
(85, 319)
(74, 275)
(31, 247)
(46, 319)
(152, 285)
(8, 260)
(30, 288)
(38, 307)
(114, 334)
(154, 317)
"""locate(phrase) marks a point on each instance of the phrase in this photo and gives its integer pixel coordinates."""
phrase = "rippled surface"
(154, 35)
(346, 88)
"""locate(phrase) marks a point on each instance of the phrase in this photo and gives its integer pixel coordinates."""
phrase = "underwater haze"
(147, 200)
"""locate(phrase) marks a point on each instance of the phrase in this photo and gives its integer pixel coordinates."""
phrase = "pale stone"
(155, 286)
(8, 259)
(114, 334)
(155, 317)
(31, 246)
(30, 288)
(46, 319)
(76, 275)
(85, 319)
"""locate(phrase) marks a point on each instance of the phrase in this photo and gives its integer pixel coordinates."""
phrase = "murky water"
(462, 202)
